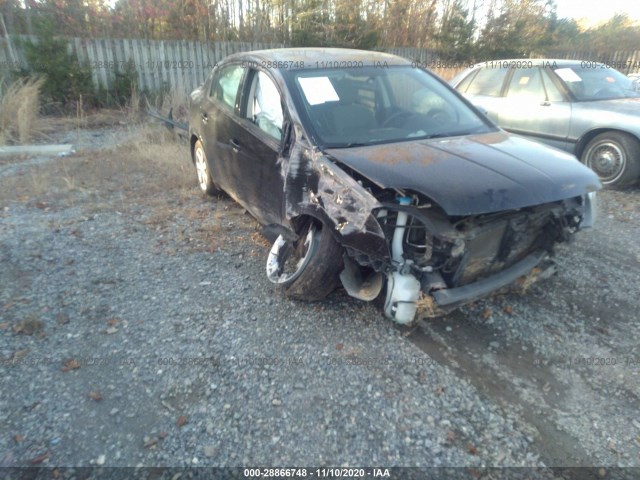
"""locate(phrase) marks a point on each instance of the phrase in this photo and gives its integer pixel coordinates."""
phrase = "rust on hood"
(505, 172)
(412, 153)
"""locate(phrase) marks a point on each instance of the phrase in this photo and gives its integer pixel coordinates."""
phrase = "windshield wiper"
(469, 131)
(348, 145)
(436, 135)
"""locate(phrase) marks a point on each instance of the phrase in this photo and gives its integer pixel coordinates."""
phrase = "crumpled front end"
(431, 262)
(439, 263)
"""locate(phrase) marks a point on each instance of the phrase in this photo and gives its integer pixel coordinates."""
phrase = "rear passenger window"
(526, 83)
(224, 86)
(488, 82)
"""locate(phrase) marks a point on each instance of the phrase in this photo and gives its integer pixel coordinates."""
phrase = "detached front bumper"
(450, 298)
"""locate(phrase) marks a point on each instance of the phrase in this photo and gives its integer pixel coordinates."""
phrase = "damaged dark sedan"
(379, 177)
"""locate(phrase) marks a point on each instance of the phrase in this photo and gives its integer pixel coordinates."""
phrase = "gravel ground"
(137, 327)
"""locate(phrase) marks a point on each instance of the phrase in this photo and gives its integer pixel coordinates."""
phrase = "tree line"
(456, 29)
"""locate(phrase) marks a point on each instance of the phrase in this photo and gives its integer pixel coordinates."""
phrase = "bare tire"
(309, 268)
(615, 157)
(205, 181)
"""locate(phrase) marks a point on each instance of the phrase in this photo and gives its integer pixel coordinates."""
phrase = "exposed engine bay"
(439, 262)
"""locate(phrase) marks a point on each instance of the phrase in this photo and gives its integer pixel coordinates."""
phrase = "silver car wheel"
(607, 159)
(287, 261)
(202, 170)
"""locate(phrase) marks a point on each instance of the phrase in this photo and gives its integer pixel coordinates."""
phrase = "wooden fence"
(183, 65)
(179, 64)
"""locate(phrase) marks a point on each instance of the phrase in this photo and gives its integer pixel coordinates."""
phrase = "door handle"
(204, 117)
(235, 144)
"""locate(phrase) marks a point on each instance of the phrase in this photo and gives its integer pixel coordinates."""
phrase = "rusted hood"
(473, 174)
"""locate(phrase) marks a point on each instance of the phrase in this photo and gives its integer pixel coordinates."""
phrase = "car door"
(536, 108)
(484, 89)
(219, 117)
(256, 173)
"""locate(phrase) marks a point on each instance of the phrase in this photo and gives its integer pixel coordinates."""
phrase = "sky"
(597, 11)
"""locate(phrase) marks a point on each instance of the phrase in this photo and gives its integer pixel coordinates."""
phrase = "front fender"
(324, 191)
(370, 241)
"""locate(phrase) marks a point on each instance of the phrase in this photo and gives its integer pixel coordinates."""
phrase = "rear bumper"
(450, 298)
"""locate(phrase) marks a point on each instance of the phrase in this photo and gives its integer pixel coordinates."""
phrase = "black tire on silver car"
(615, 157)
(308, 268)
(205, 181)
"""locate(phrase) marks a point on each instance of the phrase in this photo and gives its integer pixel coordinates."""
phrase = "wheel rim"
(287, 260)
(608, 160)
(202, 170)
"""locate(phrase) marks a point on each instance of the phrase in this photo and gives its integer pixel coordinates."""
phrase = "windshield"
(369, 105)
(596, 83)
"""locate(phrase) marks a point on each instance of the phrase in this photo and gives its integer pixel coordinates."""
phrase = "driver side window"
(264, 107)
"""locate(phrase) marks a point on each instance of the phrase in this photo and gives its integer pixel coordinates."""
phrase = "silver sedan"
(585, 108)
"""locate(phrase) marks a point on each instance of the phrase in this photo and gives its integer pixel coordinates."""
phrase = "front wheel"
(205, 181)
(308, 268)
(615, 157)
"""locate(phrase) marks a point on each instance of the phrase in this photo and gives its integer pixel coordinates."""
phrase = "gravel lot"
(137, 327)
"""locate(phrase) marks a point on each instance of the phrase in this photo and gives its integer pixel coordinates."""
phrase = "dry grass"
(91, 120)
(447, 73)
(161, 148)
(176, 101)
(152, 164)
(20, 120)
(133, 109)
(150, 179)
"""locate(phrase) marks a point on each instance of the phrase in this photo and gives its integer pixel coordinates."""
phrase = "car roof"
(325, 57)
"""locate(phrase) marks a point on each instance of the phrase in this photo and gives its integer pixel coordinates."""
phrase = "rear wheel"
(308, 268)
(205, 181)
(615, 157)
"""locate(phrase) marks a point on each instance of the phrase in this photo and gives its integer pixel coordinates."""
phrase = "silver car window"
(596, 83)
(553, 93)
(488, 82)
(464, 84)
(526, 83)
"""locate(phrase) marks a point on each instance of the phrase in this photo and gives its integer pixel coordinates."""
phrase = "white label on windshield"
(318, 90)
(568, 75)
